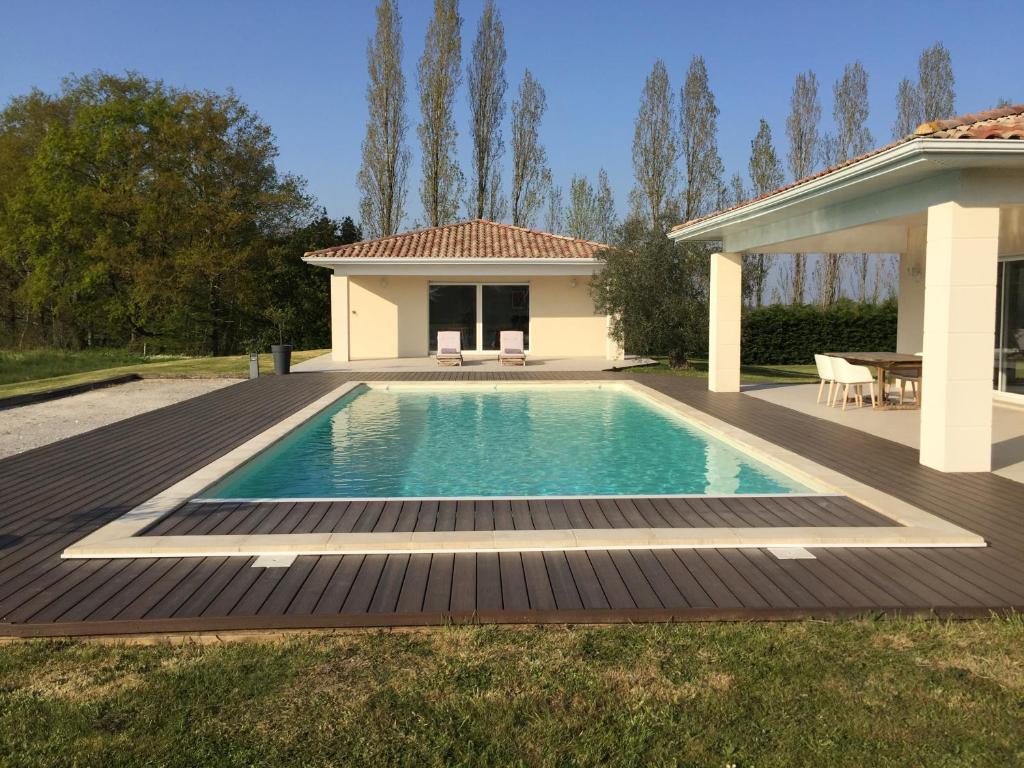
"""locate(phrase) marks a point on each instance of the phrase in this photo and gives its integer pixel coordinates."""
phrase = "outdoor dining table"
(885, 362)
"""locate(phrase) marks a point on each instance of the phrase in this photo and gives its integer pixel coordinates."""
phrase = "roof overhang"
(885, 187)
(517, 267)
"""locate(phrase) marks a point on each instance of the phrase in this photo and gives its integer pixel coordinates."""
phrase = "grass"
(853, 693)
(23, 373)
(769, 374)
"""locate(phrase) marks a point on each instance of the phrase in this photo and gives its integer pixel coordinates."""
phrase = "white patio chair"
(449, 348)
(513, 350)
(824, 365)
(912, 376)
(855, 376)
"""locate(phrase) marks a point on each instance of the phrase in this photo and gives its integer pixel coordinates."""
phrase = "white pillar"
(724, 329)
(339, 318)
(959, 338)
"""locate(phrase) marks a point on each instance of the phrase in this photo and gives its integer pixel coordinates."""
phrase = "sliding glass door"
(453, 308)
(506, 308)
(1009, 357)
(480, 312)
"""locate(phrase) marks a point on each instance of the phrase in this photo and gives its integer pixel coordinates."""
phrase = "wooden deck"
(55, 495)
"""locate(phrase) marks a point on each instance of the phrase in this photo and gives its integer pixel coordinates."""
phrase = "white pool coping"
(916, 528)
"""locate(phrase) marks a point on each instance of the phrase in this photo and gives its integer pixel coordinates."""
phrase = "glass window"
(453, 308)
(1009, 369)
(506, 308)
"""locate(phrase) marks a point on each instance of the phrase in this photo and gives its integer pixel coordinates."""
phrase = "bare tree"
(802, 130)
(606, 219)
(382, 176)
(486, 79)
(529, 160)
(440, 69)
(553, 214)
(935, 82)
(765, 176)
(909, 114)
(698, 138)
(581, 217)
(655, 149)
(850, 110)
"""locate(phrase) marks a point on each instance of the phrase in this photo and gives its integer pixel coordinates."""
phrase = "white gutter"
(940, 151)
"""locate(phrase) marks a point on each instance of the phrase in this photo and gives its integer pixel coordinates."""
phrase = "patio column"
(339, 318)
(959, 336)
(724, 329)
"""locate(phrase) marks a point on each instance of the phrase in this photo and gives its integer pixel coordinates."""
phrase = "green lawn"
(854, 693)
(775, 374)
(42, 370)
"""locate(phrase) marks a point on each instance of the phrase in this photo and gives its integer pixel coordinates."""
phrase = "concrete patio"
(902, 426)
(472, 362)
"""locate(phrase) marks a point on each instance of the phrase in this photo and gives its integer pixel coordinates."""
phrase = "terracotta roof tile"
(477, 239)
(1001, 123)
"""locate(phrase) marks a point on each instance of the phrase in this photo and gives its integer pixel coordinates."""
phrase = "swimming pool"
(433, 442)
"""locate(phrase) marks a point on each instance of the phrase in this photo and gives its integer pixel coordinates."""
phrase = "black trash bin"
(282, 358)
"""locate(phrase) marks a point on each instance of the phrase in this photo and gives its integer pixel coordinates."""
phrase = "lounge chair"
(449, 348)
(512, 351)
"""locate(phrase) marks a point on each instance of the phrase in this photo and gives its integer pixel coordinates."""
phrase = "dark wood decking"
(55, 495)
(510, 515)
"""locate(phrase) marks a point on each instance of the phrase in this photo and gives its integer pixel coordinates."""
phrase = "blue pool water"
(509, 442)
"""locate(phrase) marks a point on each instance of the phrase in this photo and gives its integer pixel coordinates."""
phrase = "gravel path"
(33, 425)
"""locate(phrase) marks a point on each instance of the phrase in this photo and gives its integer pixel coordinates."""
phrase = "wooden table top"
(878, 359)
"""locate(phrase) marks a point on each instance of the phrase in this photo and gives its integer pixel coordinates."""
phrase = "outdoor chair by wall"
(449, 348)
(912, 376)
(824, 364)
(855, 376)
(512, 352)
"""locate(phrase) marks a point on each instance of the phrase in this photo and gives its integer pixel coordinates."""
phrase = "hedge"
(787, 334)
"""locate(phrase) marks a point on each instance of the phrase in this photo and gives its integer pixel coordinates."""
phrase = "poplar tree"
(486, 80)
(698, 138)
(529, 160)
(765, 171)
(607, 222)
(935, 82)
(581, 217)
(382, 176)
(440, 69)
(656, 150)
(908, 109)
(553, 214)
(802, 130)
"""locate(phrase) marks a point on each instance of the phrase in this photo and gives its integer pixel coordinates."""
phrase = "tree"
(606, 218)
(935, 83)
(698, 137)
(656, 150)
(909, 113)
(440, 68)
(487, 85)
(581, 218)
(765, 172)
(134, 212)
(802, 130)
(850, 112)
(385, 166)
(529, 160)
(553, 214)
(654, 291)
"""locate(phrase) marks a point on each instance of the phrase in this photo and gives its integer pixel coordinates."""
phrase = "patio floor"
(903, 427)
(55, 495)
(472, 362)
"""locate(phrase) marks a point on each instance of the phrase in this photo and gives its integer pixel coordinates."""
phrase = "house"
(948, 199)
(390, 296)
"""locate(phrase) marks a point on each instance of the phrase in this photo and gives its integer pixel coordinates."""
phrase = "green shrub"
(787, 334)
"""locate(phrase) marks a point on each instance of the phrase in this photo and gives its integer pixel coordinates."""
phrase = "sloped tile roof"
(1001, 123)
(477, 239)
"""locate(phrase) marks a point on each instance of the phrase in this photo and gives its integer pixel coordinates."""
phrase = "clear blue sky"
(301, 65)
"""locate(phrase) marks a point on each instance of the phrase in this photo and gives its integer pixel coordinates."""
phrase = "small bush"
(785, 334)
